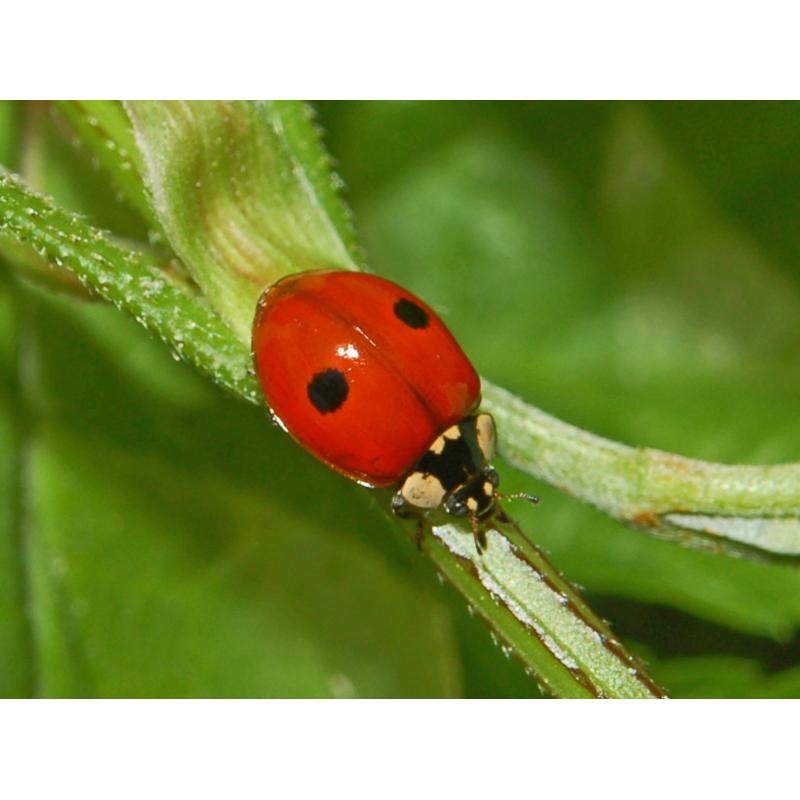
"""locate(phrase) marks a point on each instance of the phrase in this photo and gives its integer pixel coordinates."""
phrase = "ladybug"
(366, 377)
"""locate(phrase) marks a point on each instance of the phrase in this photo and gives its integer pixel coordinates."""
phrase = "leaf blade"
(237, 204)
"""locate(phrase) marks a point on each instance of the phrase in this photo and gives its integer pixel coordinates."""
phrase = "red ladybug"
(366, 377)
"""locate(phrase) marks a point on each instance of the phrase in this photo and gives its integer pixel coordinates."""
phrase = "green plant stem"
(537, 615)
(742, 510)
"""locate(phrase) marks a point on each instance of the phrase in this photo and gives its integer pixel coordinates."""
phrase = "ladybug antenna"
(518, 496)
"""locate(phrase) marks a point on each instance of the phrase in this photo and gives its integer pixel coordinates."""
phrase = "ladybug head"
(476, 497)
(455, 474)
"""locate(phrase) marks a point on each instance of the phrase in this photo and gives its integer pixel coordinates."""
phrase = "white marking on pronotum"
(422, 490)
(486, 434)
(437, 446)
(452, 433)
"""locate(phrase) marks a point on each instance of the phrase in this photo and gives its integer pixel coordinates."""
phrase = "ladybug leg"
(478, 533)
(420, 537)
(401, 509)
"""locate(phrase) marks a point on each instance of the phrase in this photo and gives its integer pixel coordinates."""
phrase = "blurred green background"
(631, 268)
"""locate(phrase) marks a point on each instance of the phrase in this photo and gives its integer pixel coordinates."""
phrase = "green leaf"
(244, 195)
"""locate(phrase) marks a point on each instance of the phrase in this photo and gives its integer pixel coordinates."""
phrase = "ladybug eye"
(455, 506)
(410, 313)
(328, 390)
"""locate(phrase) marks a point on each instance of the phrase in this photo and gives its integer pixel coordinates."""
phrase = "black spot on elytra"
(327, 390)
(410, 313)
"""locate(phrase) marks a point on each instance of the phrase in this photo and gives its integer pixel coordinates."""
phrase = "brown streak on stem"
(644, 519)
